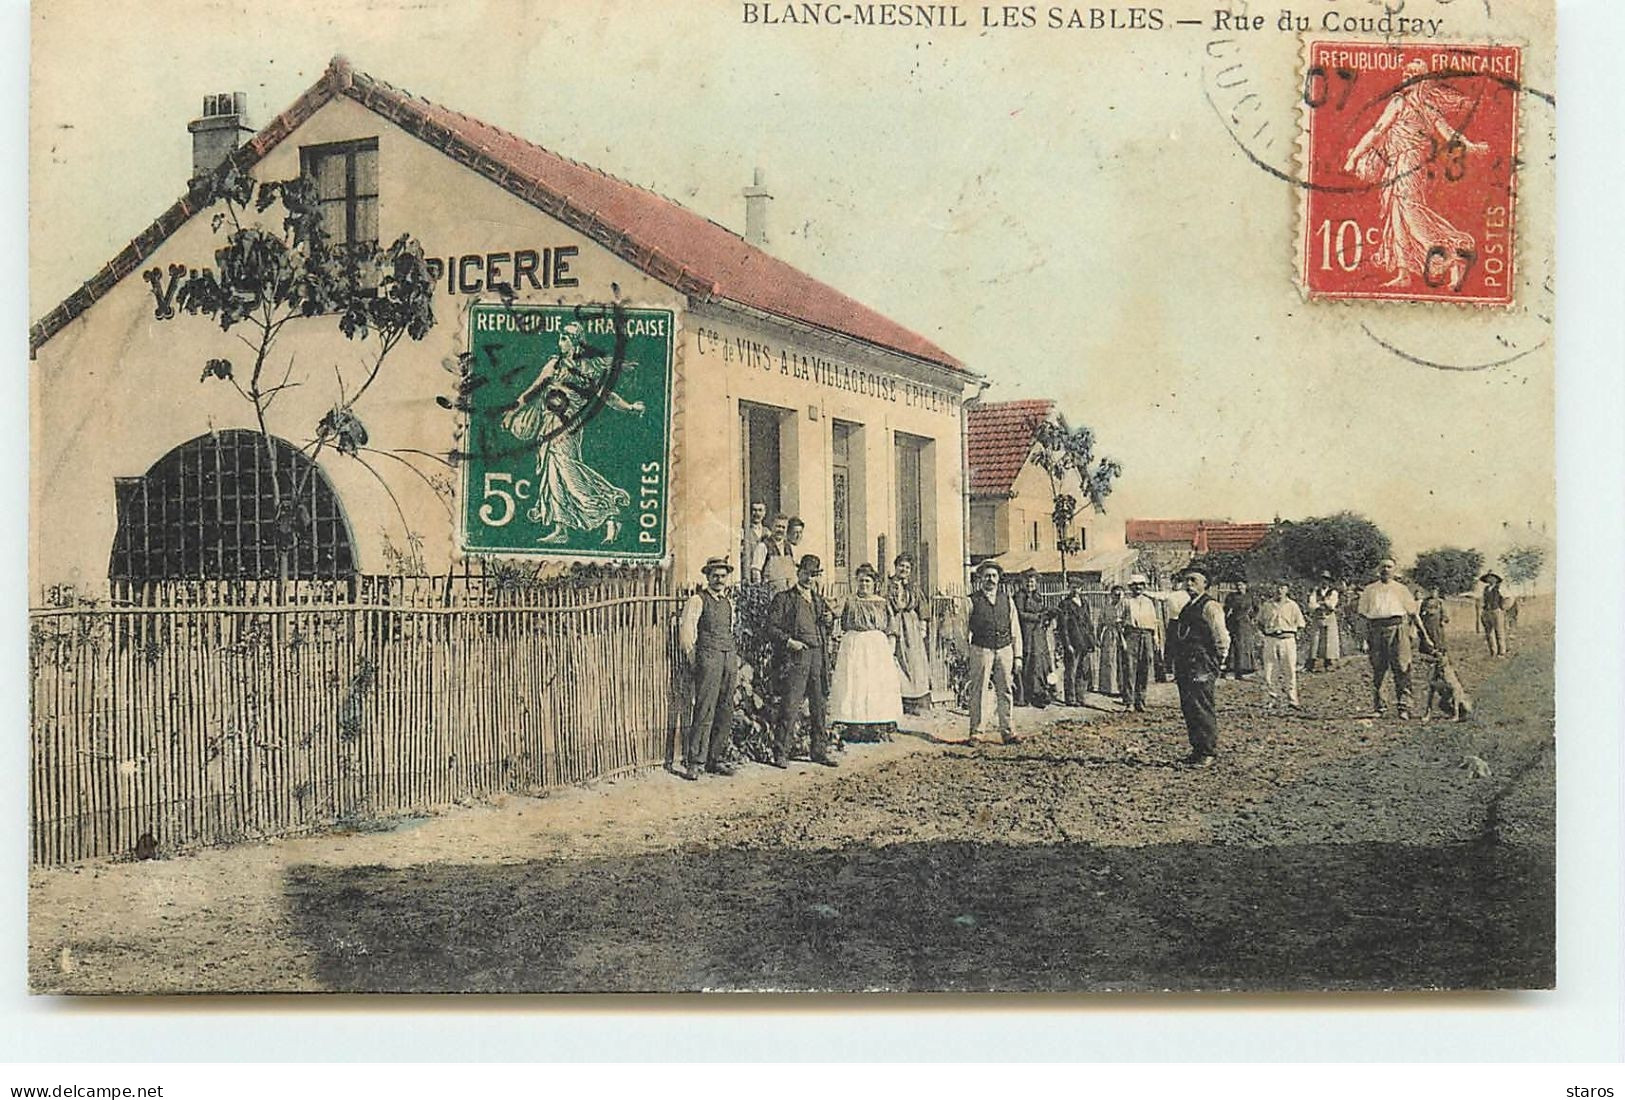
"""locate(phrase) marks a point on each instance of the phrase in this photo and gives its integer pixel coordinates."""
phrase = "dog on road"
(1444, 686)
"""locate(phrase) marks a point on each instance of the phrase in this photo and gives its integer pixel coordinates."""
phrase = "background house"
(1166, 545)
(1011, 501)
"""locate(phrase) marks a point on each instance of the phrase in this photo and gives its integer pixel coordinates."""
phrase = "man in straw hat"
(1389, 609)
(706, 634)
(1493, 612)
(799, 620)
(1200, 644)
(995, 648)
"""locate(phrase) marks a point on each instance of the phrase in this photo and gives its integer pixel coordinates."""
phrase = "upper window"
(346, 178)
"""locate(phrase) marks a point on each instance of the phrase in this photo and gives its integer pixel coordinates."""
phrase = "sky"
(1067, 212)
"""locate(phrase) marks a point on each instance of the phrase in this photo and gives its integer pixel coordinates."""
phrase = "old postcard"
(844, 496)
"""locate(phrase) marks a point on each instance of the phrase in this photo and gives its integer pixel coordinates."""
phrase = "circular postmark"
(1404, 158)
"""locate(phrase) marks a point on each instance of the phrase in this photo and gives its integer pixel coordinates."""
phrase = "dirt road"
(1325, 851)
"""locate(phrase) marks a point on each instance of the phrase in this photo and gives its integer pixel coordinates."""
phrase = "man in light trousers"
(1142, 626)
(1281, 620)
(995, 648)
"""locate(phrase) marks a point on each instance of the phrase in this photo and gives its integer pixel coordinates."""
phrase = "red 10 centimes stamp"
(1409, 155)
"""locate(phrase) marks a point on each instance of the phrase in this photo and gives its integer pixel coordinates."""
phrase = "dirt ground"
(1325, 851)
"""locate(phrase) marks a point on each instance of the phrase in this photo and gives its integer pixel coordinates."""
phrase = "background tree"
(1223, 566)
(265, 277)
(1065, 455)
(1449, 569)
(1523, 564)
(1346, 545)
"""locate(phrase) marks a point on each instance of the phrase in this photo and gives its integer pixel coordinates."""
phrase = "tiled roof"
(1201, 535)
(1234, 537)
(1161, 530)
(999, 437)
(660, 237)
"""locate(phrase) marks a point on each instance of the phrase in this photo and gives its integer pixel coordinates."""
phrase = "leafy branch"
(1067, 455)
(266, 276)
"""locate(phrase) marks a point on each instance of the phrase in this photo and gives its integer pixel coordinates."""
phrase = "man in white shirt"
(1171, 604)
(1388, 609)
(1280, 620)
(751, 537)
(773, 563)
(1142, 622)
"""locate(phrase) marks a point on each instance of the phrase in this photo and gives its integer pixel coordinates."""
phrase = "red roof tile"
(998, 439)
(1201, 535)
(1161, 530)
(662, 238)
(1234, 537)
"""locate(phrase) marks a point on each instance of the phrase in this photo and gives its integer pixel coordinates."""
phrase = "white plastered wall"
(116, 389)
(720, 376)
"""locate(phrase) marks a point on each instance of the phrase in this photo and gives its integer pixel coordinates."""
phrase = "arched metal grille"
(207, 510)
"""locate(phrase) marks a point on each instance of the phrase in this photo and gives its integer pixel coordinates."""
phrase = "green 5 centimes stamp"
(569, 437)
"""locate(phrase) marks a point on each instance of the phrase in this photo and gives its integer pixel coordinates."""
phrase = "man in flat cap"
(1493, 613)
(1200, 644)
(706, 633)
(1389, 609)
(799, 621)
(995, 648)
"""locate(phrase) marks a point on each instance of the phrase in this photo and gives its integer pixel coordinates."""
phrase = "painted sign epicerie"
(569, 440)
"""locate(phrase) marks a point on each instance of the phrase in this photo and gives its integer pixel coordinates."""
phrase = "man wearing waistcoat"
(771, 563)
(1200, 643)
(707, 637)
(995, 648)
(798, 620)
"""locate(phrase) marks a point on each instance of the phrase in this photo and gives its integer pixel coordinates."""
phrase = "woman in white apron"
(866, 693)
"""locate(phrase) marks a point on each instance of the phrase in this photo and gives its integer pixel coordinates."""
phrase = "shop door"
(911, 502)
(762, 474)
(840, 499)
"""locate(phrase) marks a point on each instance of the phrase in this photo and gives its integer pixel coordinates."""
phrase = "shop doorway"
(761, 450)
(916, 502)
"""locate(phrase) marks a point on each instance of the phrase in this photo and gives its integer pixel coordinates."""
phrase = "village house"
(1012, 501)
(1167, 545)
(776, 387)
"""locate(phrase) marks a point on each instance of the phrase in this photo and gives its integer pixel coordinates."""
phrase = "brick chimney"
(756, 200)
(222, 128)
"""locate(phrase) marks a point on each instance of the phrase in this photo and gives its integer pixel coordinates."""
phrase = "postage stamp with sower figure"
(1410, 163)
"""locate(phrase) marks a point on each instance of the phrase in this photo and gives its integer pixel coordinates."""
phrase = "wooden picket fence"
(201, 714)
